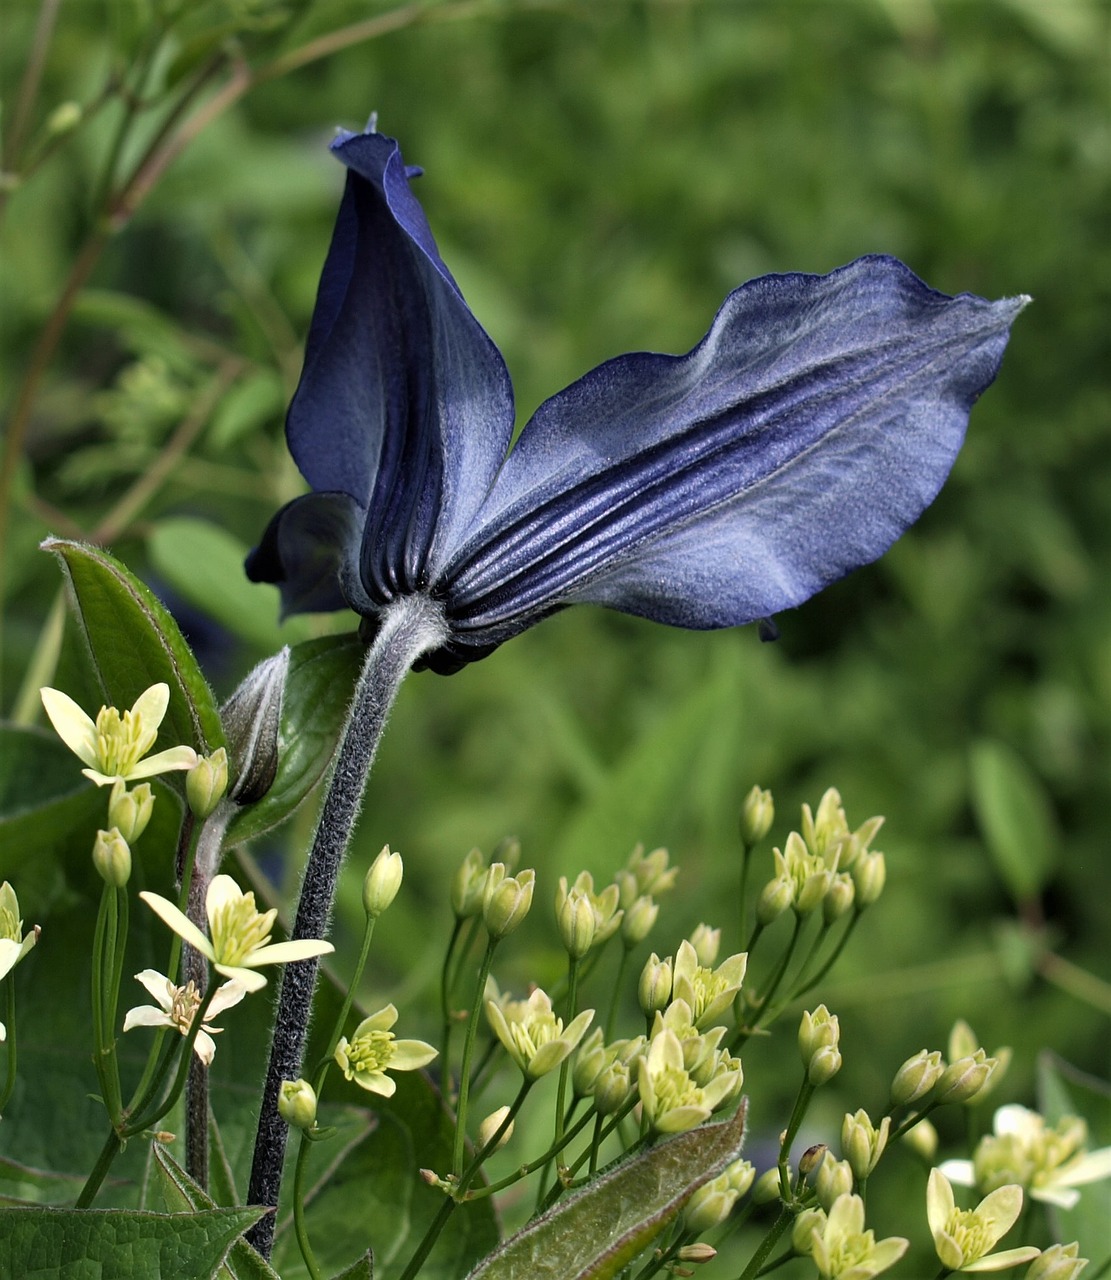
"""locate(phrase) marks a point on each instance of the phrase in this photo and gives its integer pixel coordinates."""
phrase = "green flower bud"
(491, 1125)
(129, 811)
(696, 1253)
(833, 1178)
(869, 873)
(916, 1077)
(706, 943)
(467, 885)
(776, 897)
(506, 899)
(252, 719)
(206, 783)
(757, 816)
(382, 882)
(65, 117)
(576, 924)
(806, 1225)
(922, 1139)
(824, 1065)
(1058, 1262)
(862, 1143)
(590, 1061)
(962, 1080)
(639, 920)
(508, 850)
(613, 1087)
(839, 897)
(112, 857)
(654, 988)
(297, 1104)
(741, 1176)
(817, 1030)
(766, 1187)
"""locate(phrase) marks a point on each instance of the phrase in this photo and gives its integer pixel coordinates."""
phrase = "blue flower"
(811, 426)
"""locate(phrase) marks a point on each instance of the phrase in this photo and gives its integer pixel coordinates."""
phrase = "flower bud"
(129, 811)
(757, 816)
(817, 1030)
(467, 885)
(639, 920)
(612, 1088)
(862, 1143)
(804, 1228)
(741, 1176)
(833, 1178)
(65, 117)
(776, 897)
(508, 851)
(706, 943)
(252, 718)
(811, 1158)
(697, 1253)
(506, 899)
(1058, 1262)
(297, 1104)
(839, 897)
(590, 1061)
(869, 873)
(916, 1077)
(766, 1188)
(576, 924)
(962, 1080)
(206, 783)
(922, 1139)
(382, 882)
(112, 857)
(824, 1065)
(654, 988)
(491, 1125)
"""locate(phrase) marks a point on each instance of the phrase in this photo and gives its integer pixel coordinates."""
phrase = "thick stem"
(411, 626)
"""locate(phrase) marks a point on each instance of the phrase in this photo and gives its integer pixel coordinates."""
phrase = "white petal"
(227, 995)
(1093, 1166)
(9, 954)
(164, 762)
(1062, 1197)
(1001, 1261)
(962, 1172)
(247, 978)
(222, 891)
(151, 705)
(71, 724)
(159, 986)
(146, 1015)
(284, 952)
(179, 923)
(204, 1047)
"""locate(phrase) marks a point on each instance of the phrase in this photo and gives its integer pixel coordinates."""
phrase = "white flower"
(14, 944)
(843, 1250)
(964, 1238)
(177, 1007)
(372, 1051)
(240, 933)
(1049, 1162)
(533, 1036)
(113, 746)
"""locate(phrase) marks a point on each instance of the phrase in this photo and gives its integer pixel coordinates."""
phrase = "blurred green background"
(599, 176)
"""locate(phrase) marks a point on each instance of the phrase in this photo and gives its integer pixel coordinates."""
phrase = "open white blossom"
(177, 1007)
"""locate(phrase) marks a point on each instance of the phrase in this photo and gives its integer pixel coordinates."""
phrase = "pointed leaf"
(134, 643)
(595, 1233)
(1015, 816)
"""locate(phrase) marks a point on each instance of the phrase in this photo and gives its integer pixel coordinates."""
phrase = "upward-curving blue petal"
(404, 403)
(812, 425)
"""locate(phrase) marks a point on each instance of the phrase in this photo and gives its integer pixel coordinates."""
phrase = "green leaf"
(74, 1244)
(1015, 816)
(595, 1233)
(322, 675)
(182, 1194)
(361, 1269)
(134, 643)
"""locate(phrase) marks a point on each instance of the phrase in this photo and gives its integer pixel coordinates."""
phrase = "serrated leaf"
(182, 1194)
(1015, 816)
(73, 1244)
(322, 675)
(134, 643)
(595, 1233)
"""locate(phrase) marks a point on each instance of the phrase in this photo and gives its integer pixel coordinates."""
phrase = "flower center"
(674, 1089)
(238, 928)
(850, 1251)
(972, 1235)
(10, 927)
(540, 1029)
(372, 1051)
(121, 741)
(184, 1005)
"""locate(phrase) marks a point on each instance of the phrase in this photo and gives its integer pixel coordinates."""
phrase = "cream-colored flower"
(14, 944)
(672, 1101)
(645, 874)
(1048, 1162)
(533, 1036)
(114, 746)
(843, 1250)
(964, 1238)
(177, 1007)
(240, 933)
(708, 992)
(372, 1051)
(603, 906)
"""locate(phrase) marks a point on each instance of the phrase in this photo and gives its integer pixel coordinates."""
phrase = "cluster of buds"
(819, 1045)
(607, 1073)
(713, 1202)
(970, 1074)
(586, 919)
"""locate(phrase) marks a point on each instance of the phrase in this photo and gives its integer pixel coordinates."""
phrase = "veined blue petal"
(404, 404)
(310, 549)
(813, 424)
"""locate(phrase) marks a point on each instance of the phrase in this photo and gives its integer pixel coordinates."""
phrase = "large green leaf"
(1016, 818)
(593, 1234)
(322, 675)
(134, 643)
(73, 1244)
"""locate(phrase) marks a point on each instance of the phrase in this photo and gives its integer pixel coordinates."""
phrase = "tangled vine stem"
(412, 626)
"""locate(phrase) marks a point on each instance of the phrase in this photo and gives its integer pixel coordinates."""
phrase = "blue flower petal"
(310, 549)
(813, 424)
(404, 403)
